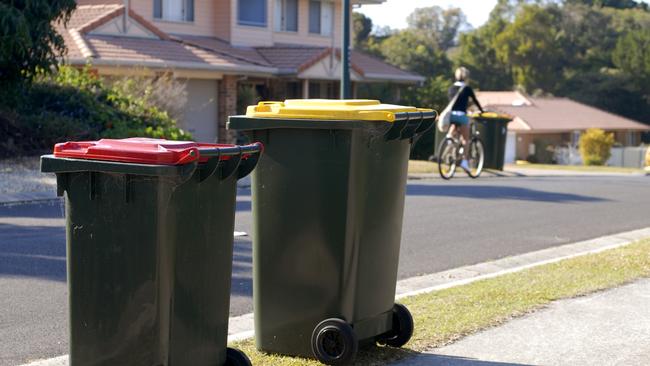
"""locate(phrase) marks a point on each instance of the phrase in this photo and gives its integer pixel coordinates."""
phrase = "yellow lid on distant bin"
(331, 109)
(491, 115)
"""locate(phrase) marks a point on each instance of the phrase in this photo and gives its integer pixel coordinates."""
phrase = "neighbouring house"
(543, 124)
(279, 49)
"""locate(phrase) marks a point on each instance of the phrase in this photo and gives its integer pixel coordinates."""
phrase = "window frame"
(321, 22)
(320, 16)
(187, 12)
(247, 23)
(280, 25)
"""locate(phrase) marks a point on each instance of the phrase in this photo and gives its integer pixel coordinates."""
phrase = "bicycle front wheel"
(476, 158)
(447, 158)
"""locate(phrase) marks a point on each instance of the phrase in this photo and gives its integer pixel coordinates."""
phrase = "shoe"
(464, 165)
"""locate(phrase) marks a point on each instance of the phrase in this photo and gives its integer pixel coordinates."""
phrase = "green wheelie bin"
(328, 201)
(149, 233)
(439, 138)
(493, 129)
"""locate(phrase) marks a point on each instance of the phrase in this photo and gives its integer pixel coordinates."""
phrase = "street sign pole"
(345, 52)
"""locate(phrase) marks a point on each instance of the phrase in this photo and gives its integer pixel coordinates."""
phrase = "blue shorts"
(459, 118)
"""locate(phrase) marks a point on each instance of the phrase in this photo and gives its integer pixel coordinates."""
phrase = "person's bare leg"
(464, 132)
(451, 131)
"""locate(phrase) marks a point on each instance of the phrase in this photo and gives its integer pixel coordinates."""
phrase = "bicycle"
(451, 152)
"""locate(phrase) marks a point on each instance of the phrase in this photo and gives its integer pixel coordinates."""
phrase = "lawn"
(422, 167)
(445, 316)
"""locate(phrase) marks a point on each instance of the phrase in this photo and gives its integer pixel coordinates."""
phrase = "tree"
(506, 10)
(535, 46)
(412, 51)
(632, 55)
(441, 25)
(478, 53)
(29, 41)
(618, 4)
(361, 26)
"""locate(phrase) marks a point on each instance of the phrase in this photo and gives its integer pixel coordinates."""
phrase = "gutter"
(388, 77)
(261, 71)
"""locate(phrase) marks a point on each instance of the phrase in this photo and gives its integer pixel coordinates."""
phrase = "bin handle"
(232, 150)
(239, 160)
(248, 164)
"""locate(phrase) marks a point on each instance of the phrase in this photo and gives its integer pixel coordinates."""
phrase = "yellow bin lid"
(330, 109)
(492, 115)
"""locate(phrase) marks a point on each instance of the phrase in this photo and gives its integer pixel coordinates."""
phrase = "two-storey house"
(281, 48)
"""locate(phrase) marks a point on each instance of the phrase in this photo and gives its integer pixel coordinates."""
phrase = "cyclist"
(459, 118)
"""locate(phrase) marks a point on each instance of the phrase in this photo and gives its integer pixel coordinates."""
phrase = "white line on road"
(241, 327)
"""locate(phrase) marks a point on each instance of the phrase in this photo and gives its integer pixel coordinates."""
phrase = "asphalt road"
(446, 225)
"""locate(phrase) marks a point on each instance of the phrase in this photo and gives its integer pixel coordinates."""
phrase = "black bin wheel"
(402, 327)
(235, 357)
(334, 342)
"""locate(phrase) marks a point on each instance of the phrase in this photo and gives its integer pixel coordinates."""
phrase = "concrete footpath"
(606, 328)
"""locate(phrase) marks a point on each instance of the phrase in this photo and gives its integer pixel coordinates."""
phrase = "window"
(252, 12)
(321, 17)
(286, 15)
(174, 10)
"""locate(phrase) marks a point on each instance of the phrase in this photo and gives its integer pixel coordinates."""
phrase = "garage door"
(201, 113)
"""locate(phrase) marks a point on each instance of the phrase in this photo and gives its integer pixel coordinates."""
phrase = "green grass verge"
(579, 168)
(445, 316)
(422, 167)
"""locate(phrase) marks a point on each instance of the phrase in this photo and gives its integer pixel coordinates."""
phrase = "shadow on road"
(24, 252)
(409, 357)
(43, 210)
(441, 360)
(496, 193)
(243, 205)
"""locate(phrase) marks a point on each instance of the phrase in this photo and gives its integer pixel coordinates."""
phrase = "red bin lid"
(134, 150)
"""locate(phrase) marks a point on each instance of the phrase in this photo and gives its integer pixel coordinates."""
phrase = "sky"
(393, 13)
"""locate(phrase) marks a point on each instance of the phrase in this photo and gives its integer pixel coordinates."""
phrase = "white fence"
(630, 157)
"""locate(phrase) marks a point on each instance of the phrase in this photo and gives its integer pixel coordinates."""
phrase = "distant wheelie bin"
(328, 202)
(493, 131)
(149, 232)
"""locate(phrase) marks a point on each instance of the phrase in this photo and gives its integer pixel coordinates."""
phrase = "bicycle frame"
(454, 158)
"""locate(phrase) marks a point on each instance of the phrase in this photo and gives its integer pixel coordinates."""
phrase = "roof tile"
(565, 115)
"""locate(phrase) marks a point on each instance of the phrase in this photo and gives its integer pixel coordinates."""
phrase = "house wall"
(222, 19)
(524, 141)
(207, 14)
(218, 18)
(622, 138)
(241, 35)
(627, 138)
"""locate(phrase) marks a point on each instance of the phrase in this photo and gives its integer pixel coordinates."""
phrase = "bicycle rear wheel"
(476, 158)
(447, 158)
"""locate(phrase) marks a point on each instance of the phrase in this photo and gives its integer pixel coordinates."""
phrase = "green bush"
(73, 104)
(163, 91)
(596, 146)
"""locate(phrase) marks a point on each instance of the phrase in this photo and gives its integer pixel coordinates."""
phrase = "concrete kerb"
(487, 173)
(241, 327)
(530, 173)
